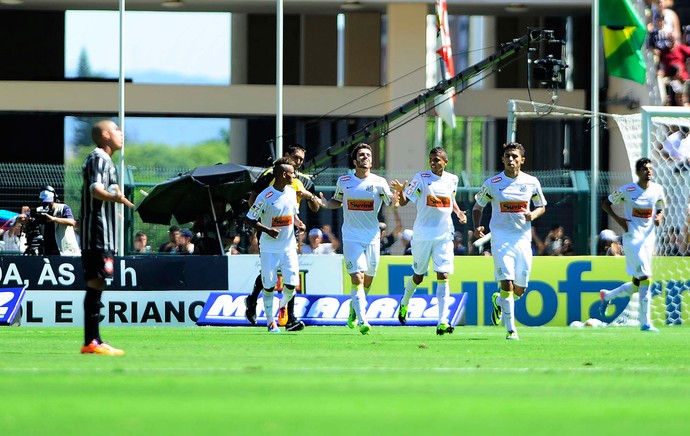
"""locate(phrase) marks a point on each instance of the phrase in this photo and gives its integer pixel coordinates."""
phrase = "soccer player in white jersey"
(274, 213)
(360, 195)
(643, 202)
(433, 192)
(509, 193)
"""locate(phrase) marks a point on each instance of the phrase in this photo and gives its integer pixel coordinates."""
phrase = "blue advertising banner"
(10, 302)
(227, 309)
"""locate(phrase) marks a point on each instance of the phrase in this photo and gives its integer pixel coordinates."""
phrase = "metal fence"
(567, 193)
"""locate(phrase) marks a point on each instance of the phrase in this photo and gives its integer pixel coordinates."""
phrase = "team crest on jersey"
(256, 207)
(370, 188)
(108, 265)
(630, 188)
(345, 178)
(523, 188)
(496, 179)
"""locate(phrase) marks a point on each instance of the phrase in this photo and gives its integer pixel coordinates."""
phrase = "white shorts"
(361, 257)
(285, 262)
(638, 256)
(439, 251)
(512, 261)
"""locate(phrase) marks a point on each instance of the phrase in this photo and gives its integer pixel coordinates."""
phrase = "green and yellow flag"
(624, 35)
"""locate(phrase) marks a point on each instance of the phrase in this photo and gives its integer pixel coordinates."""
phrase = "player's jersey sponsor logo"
(437, 201)
(514, 206)
(426, 175)
(641, 213)
(269, 194)
(281, 221)
(496, 179)
(630, 188)
(360, 205)
(345, 178)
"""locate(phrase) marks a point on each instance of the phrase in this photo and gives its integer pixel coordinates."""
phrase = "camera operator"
(58, 233)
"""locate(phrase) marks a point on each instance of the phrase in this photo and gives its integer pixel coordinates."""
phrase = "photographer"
(58, 233)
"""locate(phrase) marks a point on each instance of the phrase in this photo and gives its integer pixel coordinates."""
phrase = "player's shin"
(442, 294)
(268, 306)
(410, 287)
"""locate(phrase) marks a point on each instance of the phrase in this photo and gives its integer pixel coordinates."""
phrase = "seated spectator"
(140, 241)
(459, 248)
(173, 244)
(14, 237)
(406, 239)
(388, 239)
(553, 243)
(609, 243)
(316, 244)
(186, 246)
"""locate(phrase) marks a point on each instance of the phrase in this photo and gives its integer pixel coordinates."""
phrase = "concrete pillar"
(406, 147)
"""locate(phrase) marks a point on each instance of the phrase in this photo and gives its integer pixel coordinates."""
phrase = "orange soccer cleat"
(282, 316)
(95, 348)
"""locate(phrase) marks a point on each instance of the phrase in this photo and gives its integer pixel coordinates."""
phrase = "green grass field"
(329, 380)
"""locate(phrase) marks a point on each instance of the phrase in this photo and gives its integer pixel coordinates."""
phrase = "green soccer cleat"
(364, 328)
(512, 336)
(402, 314)
(496, 314)
(352, 318)
(444, 328)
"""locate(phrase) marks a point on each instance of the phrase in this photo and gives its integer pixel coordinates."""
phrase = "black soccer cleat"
(250, 313)
(294, 325)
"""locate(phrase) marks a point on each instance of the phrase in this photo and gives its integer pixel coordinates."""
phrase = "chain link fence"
(566, 191)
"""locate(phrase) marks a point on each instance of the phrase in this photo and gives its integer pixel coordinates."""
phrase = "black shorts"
(97, 264)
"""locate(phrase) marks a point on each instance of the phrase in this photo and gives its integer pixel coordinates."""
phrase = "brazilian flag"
(624, 35)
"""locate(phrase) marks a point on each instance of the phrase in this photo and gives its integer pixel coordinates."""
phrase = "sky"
(160, 47)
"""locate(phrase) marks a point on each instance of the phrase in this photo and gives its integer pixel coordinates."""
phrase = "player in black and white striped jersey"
(100, 192)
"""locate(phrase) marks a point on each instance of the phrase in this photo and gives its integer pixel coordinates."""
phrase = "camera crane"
(459, 82)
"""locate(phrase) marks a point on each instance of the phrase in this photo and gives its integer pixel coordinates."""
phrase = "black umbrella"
(189, 195)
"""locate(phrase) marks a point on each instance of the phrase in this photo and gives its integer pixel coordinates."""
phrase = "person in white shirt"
(643, 203)
(316, 244)
(361, 196)
(433, 192)
(274, 213)
(510, 193)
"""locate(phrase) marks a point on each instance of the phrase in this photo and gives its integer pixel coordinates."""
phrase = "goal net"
(662, 134)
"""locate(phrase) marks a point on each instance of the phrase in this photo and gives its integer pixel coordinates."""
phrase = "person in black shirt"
(100, 192)
(305, 190)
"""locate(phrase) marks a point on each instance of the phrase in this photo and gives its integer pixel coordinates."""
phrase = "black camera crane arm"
(459, 82)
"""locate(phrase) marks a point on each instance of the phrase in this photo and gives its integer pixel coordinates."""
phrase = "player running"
(433, 192)
(643, 202)
(509, 193)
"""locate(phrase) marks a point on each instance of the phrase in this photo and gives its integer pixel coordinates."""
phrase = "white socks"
(623, 290)
(268, 306)
(359, 301)
(410, 287)
(287, 296)
(645, 307)
(507, 308)
(442, 294)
